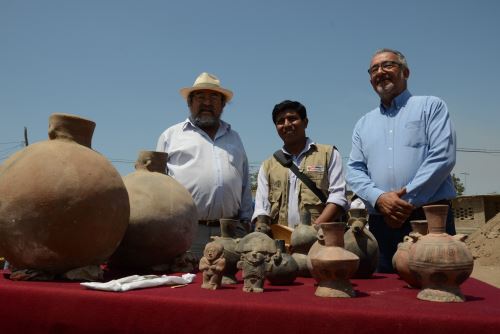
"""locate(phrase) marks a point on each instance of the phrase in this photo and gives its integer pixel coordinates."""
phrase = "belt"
(213, 222)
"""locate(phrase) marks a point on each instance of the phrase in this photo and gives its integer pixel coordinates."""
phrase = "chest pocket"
(415, 135)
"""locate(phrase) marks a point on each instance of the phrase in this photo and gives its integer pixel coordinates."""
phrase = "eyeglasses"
(212, 97)
(385, 65)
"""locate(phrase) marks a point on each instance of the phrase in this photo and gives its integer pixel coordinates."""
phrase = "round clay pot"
(163, 219)
(230, 242)
(285, 272)
(360, 241)
(401, 259)
(63, 205)
(438, 261)
(332, 265)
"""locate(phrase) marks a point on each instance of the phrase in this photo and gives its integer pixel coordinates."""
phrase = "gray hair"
(401, 57)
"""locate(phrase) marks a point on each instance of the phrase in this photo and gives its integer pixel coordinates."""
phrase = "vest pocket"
(275, 200)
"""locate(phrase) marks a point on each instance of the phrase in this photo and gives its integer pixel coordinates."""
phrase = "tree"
(459, 186)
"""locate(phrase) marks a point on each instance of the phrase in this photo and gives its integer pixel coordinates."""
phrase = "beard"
(206, 121)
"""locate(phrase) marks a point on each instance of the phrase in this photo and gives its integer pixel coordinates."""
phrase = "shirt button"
(390, 148)
(390, 167)
(390, 131)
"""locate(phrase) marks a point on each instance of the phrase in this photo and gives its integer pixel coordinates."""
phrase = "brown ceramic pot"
(63, 205)
(163, 219)
(438, 261)
(332, 265)
(230, 242)
(360, 241)
(285, 270)
(401, 259)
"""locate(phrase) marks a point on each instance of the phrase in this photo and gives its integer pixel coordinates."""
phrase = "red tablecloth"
(383, 304)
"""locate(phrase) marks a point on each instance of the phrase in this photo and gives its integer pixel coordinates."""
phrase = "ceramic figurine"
(257, 251)
(212, 265)
(229, 241)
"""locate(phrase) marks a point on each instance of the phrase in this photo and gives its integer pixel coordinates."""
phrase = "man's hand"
(394, 209)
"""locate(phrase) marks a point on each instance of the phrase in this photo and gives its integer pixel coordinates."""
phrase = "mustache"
(206, 109)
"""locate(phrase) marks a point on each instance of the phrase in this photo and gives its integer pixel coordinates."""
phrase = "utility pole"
(25, 136)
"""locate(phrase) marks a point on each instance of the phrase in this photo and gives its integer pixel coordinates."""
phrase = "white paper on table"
(139, 282)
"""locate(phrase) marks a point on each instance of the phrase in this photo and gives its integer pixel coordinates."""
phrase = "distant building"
(472, 212)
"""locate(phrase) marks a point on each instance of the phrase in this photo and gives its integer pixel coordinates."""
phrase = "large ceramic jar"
(401, 259)
(230, 242)
(163, 217)
(332, 265)
(440, 262)
(360, 241)
(63, 205)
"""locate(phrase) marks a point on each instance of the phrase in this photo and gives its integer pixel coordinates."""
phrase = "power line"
(477, 150)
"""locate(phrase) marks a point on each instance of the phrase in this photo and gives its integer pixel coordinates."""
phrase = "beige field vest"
(315, 166)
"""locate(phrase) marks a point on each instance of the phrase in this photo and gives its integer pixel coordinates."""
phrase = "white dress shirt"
(215, 172)
(336, 188)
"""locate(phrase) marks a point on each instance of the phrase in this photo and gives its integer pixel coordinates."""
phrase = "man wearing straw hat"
(207, 156)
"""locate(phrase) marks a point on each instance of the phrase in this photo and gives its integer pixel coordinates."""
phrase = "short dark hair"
(286, 105)
(401, 57)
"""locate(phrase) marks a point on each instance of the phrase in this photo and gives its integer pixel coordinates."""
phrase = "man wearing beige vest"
(284, 199)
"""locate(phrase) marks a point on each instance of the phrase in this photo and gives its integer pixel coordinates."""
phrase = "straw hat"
(207, 81)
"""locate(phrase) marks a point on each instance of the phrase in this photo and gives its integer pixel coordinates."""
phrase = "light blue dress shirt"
(215, 172)
(410, 145)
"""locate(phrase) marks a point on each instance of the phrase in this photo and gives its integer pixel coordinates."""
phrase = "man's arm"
(337, 201)
(440, 159)
(262, 204)
(246, 208)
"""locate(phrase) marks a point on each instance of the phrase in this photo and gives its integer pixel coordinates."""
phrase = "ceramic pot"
(230, 242)
(438, 261)
(63, 205)
(401, 259)
(303, 237)
(332, 265)
(285, 270)
(360, 241)
(163, 220)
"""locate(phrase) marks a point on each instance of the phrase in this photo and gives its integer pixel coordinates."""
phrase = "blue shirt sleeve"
(440, 159)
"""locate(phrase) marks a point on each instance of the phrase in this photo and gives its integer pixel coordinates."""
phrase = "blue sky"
(121, 64)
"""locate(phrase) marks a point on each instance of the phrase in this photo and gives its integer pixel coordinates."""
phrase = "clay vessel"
(284, 271)
(440, 262)
(230, 242)
(63, 205)
(303, 237)
(401, 259)
(332, 265)
(163, 219)
(360, 241)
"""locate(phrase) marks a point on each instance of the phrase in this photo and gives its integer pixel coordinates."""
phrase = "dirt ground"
(485, 246)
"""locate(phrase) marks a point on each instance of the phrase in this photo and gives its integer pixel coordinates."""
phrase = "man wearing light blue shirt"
(402, 155)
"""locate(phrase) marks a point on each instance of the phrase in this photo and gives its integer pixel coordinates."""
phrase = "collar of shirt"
(298, 158)
(397, 103)
(223, 127)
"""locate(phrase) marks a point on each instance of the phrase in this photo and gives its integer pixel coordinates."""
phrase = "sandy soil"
(485, 246)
